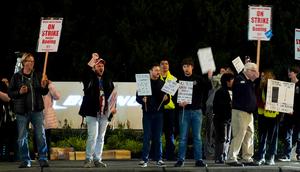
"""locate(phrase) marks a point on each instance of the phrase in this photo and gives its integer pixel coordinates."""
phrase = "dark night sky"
(130, 34)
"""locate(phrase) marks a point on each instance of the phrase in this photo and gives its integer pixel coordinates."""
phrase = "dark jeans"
(291, 131)
(267, 133)
(169, 129)
(222, 139)
(152, 126)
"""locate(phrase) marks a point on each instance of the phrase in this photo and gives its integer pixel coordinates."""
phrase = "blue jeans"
(37, 120)
(96, 127)
(152, 126)
(291, 135)
(187, 119)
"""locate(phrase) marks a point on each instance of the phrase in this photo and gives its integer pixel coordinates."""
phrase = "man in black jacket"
(97, 89)
(243, 107)
(190, 115)
(26, 89)
(153, 117)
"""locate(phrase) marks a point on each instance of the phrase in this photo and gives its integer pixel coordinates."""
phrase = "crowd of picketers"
(230, 103)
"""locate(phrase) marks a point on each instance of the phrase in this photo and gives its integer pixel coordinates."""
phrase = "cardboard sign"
(170, 87)
(259, 23)
(238, 64)
(49, 36)
(112, 101)
(297, 44)
(185, 92)
(206, 60)
(143, 84)
(280, 96)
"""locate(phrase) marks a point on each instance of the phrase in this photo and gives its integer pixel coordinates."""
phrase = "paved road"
(132, 165)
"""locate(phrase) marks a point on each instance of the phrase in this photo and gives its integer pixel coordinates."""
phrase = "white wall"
(68, 106)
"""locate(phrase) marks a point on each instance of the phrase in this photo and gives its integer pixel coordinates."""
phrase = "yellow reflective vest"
(266, 113)
(171, 104)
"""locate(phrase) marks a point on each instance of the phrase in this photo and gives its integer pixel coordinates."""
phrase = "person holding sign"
(153, 117)
(291, 122)
(168, 112)
(268, 123)
(243, 107)
(97, 87)
(190, 115)
(26, 88)
(222, 117)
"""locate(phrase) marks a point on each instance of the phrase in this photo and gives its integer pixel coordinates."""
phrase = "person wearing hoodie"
(222, 117)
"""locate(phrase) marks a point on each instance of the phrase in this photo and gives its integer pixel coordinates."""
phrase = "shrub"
(78, 143)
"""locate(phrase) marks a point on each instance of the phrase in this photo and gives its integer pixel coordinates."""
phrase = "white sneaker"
(270, 162)
(285, 159)
(141, 162)
(145, 164)
(160, 163)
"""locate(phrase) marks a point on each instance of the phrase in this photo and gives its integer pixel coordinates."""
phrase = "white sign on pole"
(206, 60)
(280, 96)
(238, 64)
(297, 44)
(259, 23)
(143, 84)
(49, 36)
(170, 87)
(185, 92)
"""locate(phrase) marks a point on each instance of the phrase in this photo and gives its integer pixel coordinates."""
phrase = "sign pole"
(258, 54)
(45, 66)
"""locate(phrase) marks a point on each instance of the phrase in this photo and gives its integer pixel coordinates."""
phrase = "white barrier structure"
(129, 112)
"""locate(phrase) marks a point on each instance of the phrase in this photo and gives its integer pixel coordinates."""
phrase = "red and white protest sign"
(112, 100)
(297, 44)
(49, 35)
(259, 23)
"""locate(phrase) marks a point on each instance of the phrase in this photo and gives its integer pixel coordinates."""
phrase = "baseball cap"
(100, 60)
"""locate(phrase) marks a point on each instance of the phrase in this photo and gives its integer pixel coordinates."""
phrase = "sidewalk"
(132, 165)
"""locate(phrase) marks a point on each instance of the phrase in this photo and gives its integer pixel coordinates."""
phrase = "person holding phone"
(26, 88)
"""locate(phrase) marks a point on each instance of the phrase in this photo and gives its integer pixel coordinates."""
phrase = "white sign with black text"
(238, 64)
(170, 87)
(143, 84)
(280, 96)
(185, 92)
